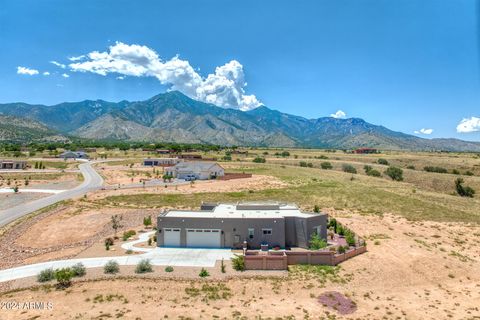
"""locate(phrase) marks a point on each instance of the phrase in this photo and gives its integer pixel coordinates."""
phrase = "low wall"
(230, 176)
(280, 260)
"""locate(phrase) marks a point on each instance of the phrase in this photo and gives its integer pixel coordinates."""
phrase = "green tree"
(317, 243)
(147, 221)
(64, 277)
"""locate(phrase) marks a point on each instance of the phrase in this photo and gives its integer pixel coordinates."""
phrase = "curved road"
(92, 181)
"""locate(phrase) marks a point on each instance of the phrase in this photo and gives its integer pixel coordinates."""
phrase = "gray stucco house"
(229, 225)
(201, 170)
(73, 155)
(13, 164)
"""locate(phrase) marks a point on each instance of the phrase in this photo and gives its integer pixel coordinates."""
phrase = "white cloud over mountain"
(225, 87)
(338, 115)
(26, 71)
(424, 131)
(467, 125)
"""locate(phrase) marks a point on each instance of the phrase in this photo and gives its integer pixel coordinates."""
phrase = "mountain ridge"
(174, 117)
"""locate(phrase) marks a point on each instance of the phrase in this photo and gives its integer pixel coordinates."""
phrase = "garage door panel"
(203, 238)
(171, 237)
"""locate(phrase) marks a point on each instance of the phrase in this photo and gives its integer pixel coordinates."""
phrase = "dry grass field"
(422, 239)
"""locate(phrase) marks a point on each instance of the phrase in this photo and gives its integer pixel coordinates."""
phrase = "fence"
(280, 260)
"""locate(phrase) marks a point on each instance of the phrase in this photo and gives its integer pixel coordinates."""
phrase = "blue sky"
(407, 65)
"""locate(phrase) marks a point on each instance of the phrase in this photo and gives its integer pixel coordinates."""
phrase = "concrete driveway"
(180, 257)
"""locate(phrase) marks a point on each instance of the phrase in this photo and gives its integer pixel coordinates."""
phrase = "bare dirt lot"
(412, 270)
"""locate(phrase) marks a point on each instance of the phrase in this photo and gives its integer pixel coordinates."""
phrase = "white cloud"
(225, 87)
(46, 73)
(338, 115)
(25, 70)
(77, 58)
(423, 131)
(467, 125)
(58, 64)
(65, 75)
(120, 78)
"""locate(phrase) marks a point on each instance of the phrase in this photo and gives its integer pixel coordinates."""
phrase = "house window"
(267, 231)
(251, 233)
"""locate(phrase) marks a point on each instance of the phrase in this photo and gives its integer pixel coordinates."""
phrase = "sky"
(411, 66)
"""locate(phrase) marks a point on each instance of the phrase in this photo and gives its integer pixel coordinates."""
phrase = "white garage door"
(203, 238)
(171, 237)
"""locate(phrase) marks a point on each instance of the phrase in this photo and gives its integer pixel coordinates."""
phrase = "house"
(73, 155)
(232, 225)
(162, 162)
(201, 170)
(365, 150)
(164, 151)
(13, 164)
(190, 156)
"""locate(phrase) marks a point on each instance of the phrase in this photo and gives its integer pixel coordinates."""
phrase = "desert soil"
(412, 270)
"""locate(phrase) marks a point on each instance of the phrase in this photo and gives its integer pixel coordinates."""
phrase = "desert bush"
(383, 161)
(109, 241)
(367, 168)
(78, 270)
(455, 171)
(463, 191)
(46, 275)
(147, 221)
(435, 169)
(394, 173)
(326, 165)
(411, 167)
(303, 164)
(259, 160)
(238, 263)
(64, 277)
(203, 273)
(468, 173)
(144, 266)
(111, 267)
(317, 243)
(374, 173)
(127, 234)
(169, 269)
(341, 249)
(350, 238)
(349, 168)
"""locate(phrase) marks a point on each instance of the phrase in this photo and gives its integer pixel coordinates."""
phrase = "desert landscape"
(422, 256)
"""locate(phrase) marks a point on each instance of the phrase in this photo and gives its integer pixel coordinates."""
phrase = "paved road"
(157, 256)
(92, 181)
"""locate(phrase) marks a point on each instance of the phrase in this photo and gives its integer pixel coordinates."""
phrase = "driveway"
(92, 181)
(180, 257)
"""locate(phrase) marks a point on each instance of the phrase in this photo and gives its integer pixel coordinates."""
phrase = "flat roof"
(252, 210)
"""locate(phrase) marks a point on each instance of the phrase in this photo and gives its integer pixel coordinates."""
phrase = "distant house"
(190, 156)
(73, 155)
(13, 164)
(161, 162)
(365, 150)
(200, 170)
(164, 151)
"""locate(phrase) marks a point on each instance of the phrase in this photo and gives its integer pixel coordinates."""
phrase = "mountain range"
(174, 117)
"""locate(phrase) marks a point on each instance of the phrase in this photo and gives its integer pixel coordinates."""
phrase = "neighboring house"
(164, 151)
(230, 225)
(201, 170)
(190, 156)
(73, 155)
(365, 150)
(162, 162)
(13, 164)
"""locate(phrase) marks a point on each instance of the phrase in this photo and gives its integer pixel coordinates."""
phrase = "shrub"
(316, 208)
(63, 277)
(455, 171)
(341, 249)
(111, 267)
(128, 234)
(411, 167)
(144, 266)
(238, 263)
(469, 173)
(109, 241)
(147, 221)
(349, 168)
(79, 270)
(317, 243)
(326, 165)
(169, 269)
(259, 160)
(374, 173)
(394, 173)
(303, 164)
(463, 191)
(203, 273)
(367, 168)
(383, 161)
(435, 169)
(350, 238)
(46, 275)
(222, 267)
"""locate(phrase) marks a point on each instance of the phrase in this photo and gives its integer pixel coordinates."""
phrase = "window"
(251, 233)
(267, 231)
